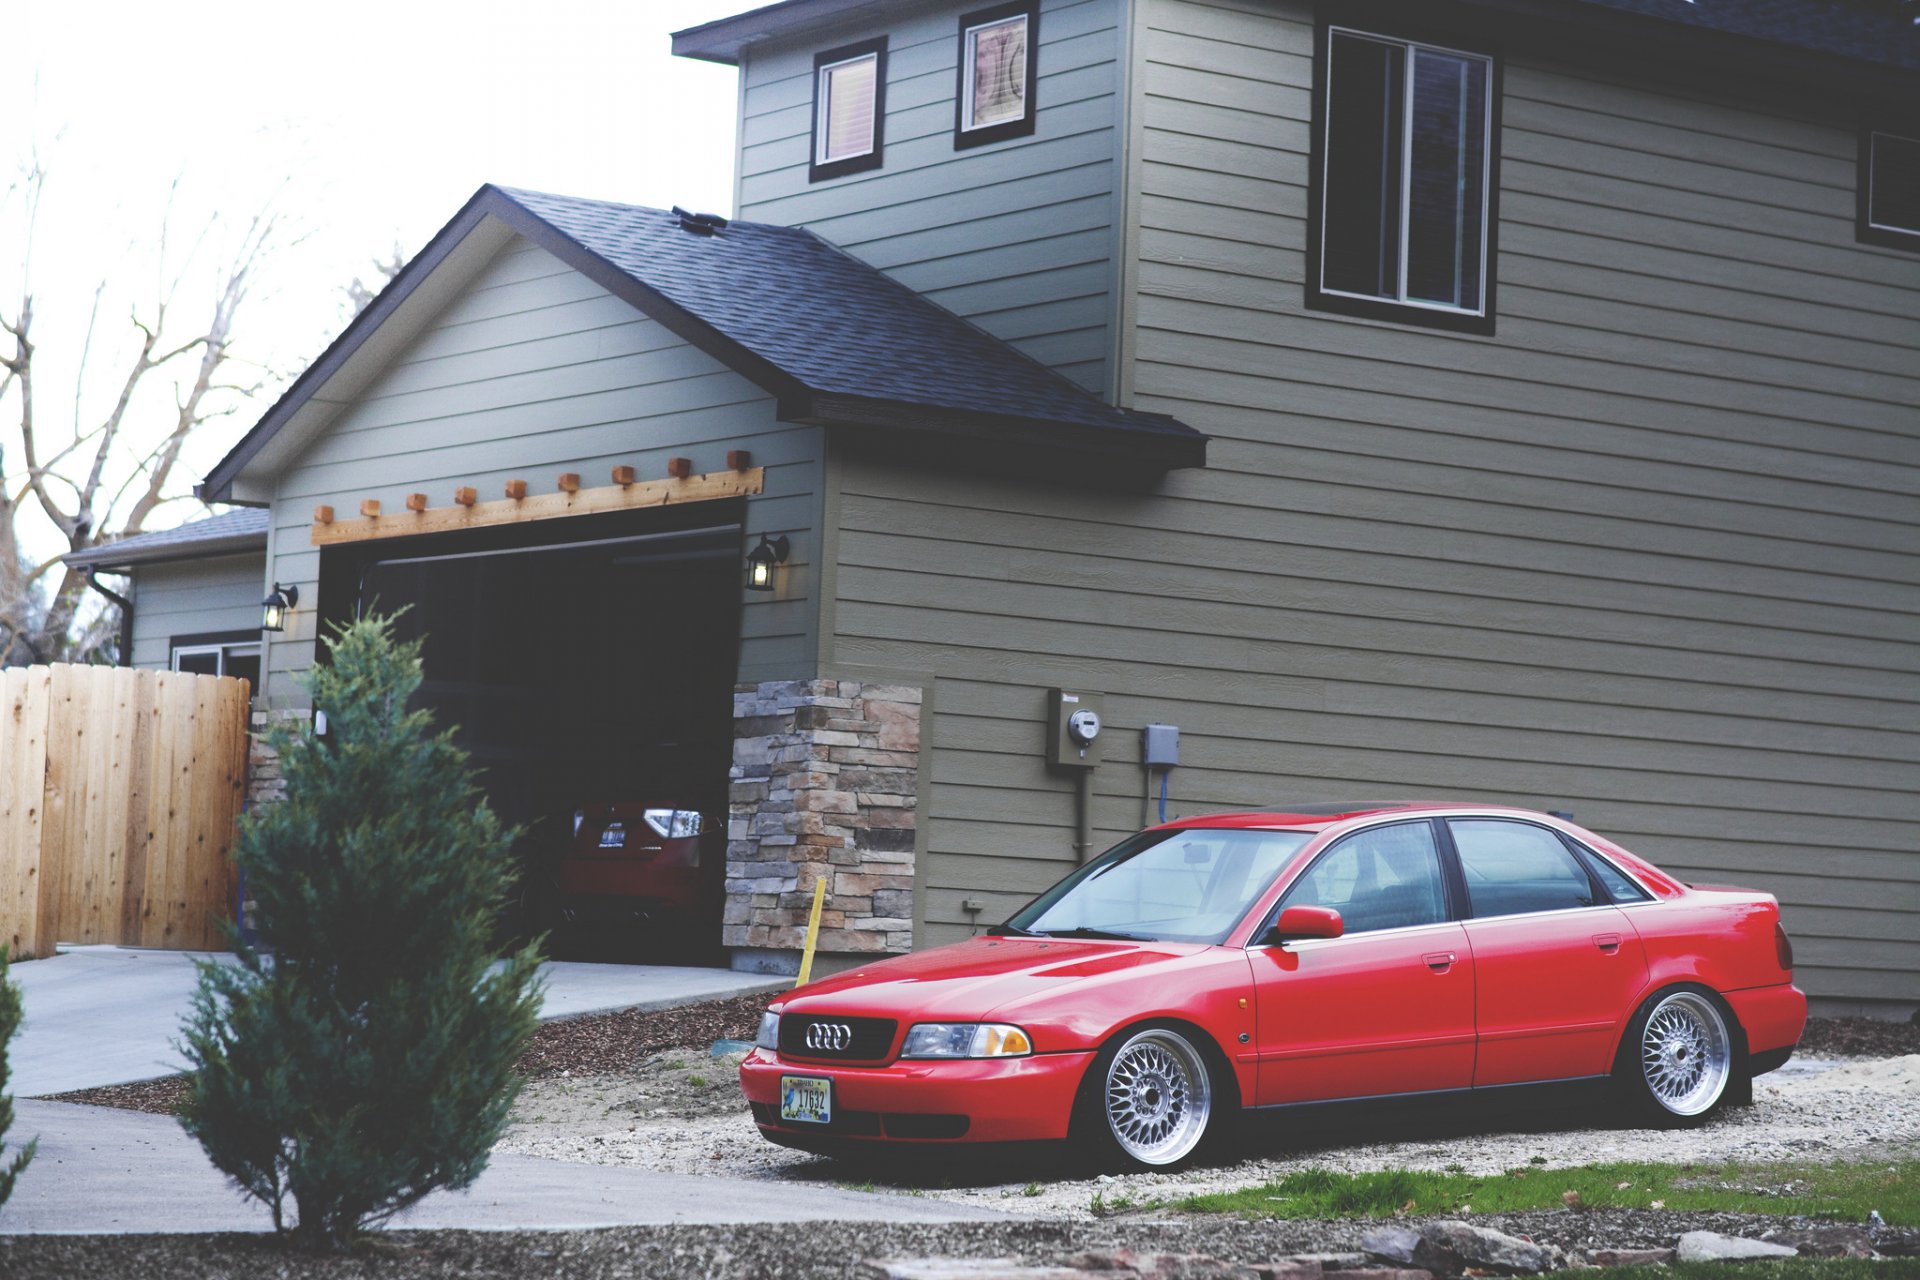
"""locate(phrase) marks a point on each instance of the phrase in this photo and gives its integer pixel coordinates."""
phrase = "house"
(1510, 400)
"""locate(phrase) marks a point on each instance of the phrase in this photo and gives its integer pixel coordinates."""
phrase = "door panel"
(1553, 992)
(1365, 1015)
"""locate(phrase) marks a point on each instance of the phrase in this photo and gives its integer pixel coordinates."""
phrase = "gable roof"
(1875, 32)
(231, 532)
(838, 343)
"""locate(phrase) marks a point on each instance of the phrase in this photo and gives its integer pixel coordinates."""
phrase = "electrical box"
(1075, 722)
(1160, 746)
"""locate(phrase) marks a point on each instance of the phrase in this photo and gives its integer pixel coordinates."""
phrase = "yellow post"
(813, 930)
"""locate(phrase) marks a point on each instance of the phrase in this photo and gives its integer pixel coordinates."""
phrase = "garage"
(587, 665)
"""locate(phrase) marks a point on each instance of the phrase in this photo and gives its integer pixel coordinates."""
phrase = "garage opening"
(588, 664)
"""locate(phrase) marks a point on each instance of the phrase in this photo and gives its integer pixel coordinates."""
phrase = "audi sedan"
(1266, 960)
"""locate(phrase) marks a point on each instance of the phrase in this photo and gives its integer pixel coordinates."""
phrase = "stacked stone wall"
(825, 782)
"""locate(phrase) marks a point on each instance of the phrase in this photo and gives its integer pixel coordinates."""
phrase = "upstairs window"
(997, 73)
(849, 109)
(1890, 189)
(1403, 169)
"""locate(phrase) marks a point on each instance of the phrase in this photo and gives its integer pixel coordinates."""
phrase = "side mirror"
(1305, 922)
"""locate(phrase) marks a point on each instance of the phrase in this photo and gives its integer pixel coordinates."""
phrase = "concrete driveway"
(102, 1171)
(109, 1015)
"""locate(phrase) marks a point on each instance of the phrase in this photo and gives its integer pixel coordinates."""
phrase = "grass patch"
(1843, 1191)
(1785, 1269)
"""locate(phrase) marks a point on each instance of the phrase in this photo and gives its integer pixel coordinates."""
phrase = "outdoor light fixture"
(275, 608)
(761, 559)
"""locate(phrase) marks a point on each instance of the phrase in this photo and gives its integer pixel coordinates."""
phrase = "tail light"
(1783, 945)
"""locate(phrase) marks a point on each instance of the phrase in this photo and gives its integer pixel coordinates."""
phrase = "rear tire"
(1153, 1099)
(1680, 1059)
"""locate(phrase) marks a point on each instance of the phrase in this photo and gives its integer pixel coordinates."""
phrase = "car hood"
(967, 981)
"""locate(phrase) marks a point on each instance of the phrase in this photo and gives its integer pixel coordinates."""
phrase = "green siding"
(530, 371)
(1649, 554)
(193, 597)
(1017, 236)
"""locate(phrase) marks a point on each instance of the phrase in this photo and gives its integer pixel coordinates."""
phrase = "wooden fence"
(119, 791)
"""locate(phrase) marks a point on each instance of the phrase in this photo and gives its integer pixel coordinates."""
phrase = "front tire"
(1679, 1058)
(1150, 1099)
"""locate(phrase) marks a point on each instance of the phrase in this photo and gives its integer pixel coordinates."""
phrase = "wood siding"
(535, 370)
(194, 597)
(1650, 553)
(1016, 236)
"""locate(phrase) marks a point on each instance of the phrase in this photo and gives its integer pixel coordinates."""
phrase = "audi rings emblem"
(832, 1037)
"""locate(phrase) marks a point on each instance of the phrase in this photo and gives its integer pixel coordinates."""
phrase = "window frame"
(220, 642)
(1394, 310)
(819, 170)
(987, 134)
(1452, 888)
(1865, 230)
(1602, 896)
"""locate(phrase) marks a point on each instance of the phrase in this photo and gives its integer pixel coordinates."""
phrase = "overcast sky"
(366, 123)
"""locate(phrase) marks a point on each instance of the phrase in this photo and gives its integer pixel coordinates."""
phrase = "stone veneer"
(264, 783)
(824, 783)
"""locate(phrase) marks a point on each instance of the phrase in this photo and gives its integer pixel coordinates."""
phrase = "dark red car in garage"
(1262, 960)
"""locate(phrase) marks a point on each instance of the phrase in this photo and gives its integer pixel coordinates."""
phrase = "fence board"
(119, 791)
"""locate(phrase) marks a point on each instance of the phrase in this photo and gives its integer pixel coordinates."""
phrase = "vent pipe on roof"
(701, 224)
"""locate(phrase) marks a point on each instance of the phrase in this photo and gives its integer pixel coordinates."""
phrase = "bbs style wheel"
(1150, 1100)
(1679, 1057)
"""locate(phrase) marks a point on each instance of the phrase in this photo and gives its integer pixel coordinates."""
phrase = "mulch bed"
(606, 1043)
(600, 1044)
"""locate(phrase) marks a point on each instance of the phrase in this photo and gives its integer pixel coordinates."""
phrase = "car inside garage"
(587, 664)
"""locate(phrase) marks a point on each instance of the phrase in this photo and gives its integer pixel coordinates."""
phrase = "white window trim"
(242, 649)
(1406, 167)
(823, 93)
(1892, 228)
(968, 56)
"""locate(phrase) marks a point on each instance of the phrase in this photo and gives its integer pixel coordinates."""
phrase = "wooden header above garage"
(519, 506)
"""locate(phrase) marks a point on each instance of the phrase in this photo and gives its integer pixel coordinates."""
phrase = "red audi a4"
(1257, 960)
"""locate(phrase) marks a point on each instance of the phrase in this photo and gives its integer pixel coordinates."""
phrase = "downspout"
(126, 615)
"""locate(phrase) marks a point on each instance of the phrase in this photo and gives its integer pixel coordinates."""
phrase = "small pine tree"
(368, 1059)
(9, 1023)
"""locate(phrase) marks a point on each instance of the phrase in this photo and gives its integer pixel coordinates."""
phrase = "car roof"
(1319, 814)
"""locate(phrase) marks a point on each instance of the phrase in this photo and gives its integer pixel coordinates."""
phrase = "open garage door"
(589, 666)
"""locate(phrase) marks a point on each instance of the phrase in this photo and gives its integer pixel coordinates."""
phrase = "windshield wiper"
(1010, 931)
(1082, 931)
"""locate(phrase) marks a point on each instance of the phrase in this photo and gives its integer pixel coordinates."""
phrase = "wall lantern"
(761, 559)
(275, 608)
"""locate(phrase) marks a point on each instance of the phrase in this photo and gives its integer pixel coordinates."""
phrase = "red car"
(1256, 960)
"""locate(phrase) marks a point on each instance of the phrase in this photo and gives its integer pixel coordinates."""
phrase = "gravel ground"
(840, 1251)
(657, 1118)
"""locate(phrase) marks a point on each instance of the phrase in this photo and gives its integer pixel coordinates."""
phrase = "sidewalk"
(109, 1015)
(102, 1171)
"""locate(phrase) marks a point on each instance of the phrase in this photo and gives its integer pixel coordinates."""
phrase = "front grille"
(832, 1039)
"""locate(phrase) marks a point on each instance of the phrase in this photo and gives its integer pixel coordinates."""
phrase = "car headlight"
(769, 1037)
(965, 1040)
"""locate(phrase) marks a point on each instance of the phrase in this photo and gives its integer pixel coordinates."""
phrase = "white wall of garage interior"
(1646, 554)
(533, 370)
(193, 597)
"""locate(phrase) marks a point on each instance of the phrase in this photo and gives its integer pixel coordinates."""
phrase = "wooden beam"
(739, 459)
(624, 476)
(465, 496)
(323, 515)
(516, 489)
(569, 482)
(416, 502)
(548, 506)
(679, 468)
(370, 508)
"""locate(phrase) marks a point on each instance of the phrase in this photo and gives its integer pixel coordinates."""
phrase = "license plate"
(807, 1099)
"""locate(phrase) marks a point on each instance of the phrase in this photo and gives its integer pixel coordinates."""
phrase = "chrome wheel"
(1686, 1055)
(1158, 1097)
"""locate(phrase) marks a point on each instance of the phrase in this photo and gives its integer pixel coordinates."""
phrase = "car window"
(1381, 878)
(1515, 866)
(1618, 884)
(1190, 885)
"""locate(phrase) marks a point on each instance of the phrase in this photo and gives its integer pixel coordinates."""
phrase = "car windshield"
(1189, 885)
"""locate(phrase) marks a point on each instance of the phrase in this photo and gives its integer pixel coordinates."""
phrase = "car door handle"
(1607, 942)
(1439, 961)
